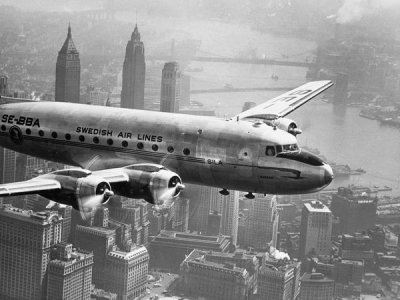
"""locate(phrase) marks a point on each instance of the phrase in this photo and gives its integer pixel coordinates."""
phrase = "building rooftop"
(199, 258)
(123, 255)
(315, 277)
(189, 239)
(42, 218)
(317, 206)
(100, 231)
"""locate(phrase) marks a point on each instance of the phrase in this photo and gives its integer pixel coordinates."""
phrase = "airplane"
(139, 154)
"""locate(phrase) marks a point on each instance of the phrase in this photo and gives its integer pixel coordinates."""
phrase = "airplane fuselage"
(202, 150)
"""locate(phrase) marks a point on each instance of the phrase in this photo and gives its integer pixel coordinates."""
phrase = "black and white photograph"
(199, 149)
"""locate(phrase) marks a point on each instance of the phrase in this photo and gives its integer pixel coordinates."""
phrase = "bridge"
(252, 61)
(237, 90)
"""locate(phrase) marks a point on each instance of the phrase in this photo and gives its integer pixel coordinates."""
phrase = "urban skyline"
(334, 244)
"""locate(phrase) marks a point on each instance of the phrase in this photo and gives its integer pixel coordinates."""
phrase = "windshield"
(302, 156)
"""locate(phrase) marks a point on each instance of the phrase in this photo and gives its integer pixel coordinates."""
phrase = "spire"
(69, 45)
(69, 30)
(135, 34)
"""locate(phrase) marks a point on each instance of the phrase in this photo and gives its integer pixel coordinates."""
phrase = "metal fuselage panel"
(206, 150)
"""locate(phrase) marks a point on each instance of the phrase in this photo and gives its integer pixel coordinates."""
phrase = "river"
(339, 133)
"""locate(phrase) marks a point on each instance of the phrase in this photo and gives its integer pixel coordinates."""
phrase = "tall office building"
(26, 240)
(212, 275)
(262, 223)
(69, 273)
(170, 88)
(185, 90)
(199, 207)
(100, 241)
(126, 272)
(214, 223)
(279, 280)
(315, 229)
(134, 213)
(8, 162)
(66, 212)
(348, 277)
(3, 85)
(181, 214)
(358, 247)
(230, 215)
(315, 286)
(356, 211)
(68, 72)
(133, 73)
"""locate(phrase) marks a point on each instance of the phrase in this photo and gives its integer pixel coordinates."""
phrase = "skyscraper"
(199, 207)
(126, 272)
(279, 280)
(26, 240)
(229, 214)
(170, 88)
(68, 72)
(356, 211)
(69, 273)
(315, 286)
(262, 222)
(133, 73)
(315, 229)
(3, 85)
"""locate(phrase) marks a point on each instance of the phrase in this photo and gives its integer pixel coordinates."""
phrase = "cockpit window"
(270, 151)
(290, 147)
(302, 156)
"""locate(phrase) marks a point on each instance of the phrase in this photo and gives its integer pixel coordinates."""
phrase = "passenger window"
(186, 151)
(140, 145)
(124, 144)
(170, 149)
(270, 151)
(110, 142)
(96, 140)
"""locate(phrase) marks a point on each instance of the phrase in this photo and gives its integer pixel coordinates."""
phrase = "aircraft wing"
(286, 103)
(32, 186)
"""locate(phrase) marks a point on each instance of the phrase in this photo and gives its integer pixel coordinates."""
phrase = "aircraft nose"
(328, 174)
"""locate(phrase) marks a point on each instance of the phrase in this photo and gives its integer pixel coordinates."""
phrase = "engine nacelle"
(154, 183)
(81, 190)
(288, 125)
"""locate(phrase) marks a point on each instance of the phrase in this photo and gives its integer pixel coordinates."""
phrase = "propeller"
(89, 204)
(165, 201)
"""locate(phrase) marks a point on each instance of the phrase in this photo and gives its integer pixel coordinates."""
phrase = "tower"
(68, 72)
(228, 206)
(133, 73)
(170, 87)
(26, 240)
(315, 229)
(69, 273)
(3, 85)
(262, 222)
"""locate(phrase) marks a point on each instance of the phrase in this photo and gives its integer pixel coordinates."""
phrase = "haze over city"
(219, 58)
